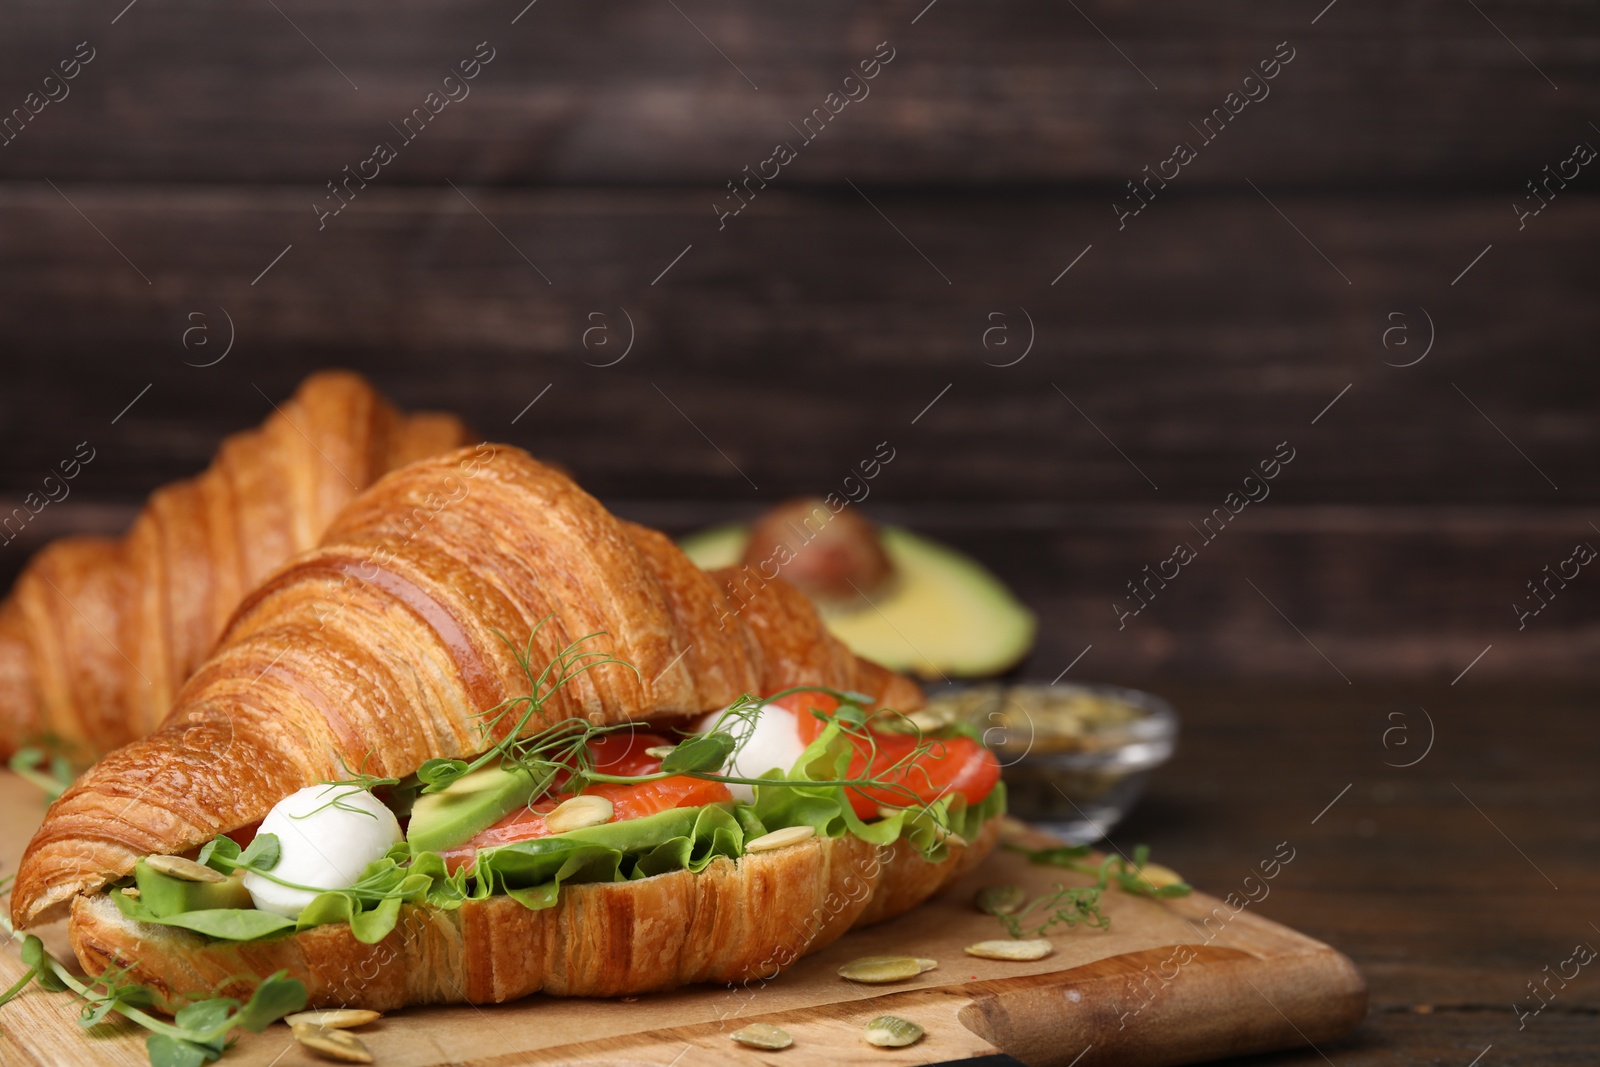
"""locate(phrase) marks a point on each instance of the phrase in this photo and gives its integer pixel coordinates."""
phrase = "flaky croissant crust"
(98, 634)
(383, 646)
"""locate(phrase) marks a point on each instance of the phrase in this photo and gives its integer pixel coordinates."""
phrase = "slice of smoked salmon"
(953, 765)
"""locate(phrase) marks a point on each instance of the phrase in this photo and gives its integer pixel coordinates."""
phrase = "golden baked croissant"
(380, 649)
(98, 634)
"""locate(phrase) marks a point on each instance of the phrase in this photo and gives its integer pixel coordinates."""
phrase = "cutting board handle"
(1149, 1009)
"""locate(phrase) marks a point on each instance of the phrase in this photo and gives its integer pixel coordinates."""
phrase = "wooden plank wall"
(572, 194)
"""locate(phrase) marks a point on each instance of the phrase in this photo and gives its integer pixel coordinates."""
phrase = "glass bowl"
(1075, 757)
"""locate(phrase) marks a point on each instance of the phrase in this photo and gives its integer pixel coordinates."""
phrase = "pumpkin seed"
(332, 1044)
(1001, 899)
(1011, 950)
(659, 751)
(335, 1018)
(183, 870)
(1158, 876)
(891, 1031)
(579, 812)
(789, 835)
(763, 1035)
(875, 970)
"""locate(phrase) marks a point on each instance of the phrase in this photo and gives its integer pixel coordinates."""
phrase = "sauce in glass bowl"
(1075, 757)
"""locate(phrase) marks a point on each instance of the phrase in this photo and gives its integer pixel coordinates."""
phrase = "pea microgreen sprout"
(703, 756)
(531, 753)
(1066, 906)
(358, 781)
(559, 753)
(1075, 905)
(1128, 874)
(198, 1032)
(51, 773)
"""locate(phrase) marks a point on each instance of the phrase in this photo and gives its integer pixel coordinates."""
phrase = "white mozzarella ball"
(323, 844)
(774, 743)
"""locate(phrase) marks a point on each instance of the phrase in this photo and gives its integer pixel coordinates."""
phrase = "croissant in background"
(98, 634)
(380, 649)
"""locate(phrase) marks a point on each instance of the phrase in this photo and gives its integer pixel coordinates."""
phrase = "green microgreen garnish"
(51, 773)
(197, 1034)
(1063, 906)
(1080, 905)
(356, 781)
(704, 755)
(1127, 874)
(546, 753)
(558, 754)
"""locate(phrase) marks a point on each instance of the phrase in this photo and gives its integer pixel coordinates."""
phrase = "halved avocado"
(468, 806)
(944, 614)
(716, 546)
(165, 895)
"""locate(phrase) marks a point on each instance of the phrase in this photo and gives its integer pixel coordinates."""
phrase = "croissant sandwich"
(488, 740)
(98, 634)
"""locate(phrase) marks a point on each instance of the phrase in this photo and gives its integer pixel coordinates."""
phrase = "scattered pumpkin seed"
(876, 970)
(789, 835)
(891, 1031)
(1011, 950)
(659, 751)
(1001, 899)
(335, 1018)
(183, 870)
(1158, 876)
(332, 1044)
(576, 813)
(763, 1035)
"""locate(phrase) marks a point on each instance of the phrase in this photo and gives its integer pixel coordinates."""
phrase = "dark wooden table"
(1452, 883)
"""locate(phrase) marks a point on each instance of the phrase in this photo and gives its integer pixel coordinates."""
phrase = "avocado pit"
(835, 558)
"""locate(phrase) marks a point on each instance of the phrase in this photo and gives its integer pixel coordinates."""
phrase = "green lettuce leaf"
(227, 924)
(532, 872)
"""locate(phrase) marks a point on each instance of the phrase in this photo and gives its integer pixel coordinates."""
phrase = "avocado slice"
(944, 616)
(471, 804)
(165, 895)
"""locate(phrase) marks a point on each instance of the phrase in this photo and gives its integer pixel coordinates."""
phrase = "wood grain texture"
(1383, 592)
(1195, 340)
(640, 93)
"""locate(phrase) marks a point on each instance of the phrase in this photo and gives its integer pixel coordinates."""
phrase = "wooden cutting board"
(1161, 986)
